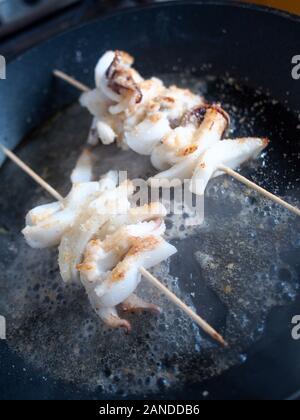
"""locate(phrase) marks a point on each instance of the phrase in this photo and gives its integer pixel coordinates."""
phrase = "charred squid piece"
(103, 242)
(110, 268)
(93, 217)
(231, 153)
(136, 113)
(122, 281)
(135, 304)
(46, 224)
(196, 115)
(161, 114)
(108, 289)
(177, 156)
(121, 79)
(101, 256)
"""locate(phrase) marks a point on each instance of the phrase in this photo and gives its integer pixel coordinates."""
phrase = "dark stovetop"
(43, 23)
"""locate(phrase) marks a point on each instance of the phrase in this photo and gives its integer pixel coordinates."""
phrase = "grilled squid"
(201, 129)
(137, 113)
(103, 241)
(231, 153)
(161, 114)
(83, 171)
(116, 78)
(174, 126)
(110, 271)
(46, 224)
(89, 223)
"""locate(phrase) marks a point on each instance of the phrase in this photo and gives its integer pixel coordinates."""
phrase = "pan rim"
(165, 4)
(235, 4)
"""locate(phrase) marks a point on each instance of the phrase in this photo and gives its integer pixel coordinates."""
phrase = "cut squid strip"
(47, 224)
(183, 161)
(96, 219)
(124, 279)
(231, 153)
(83, 172)
(90, 222)
(118, 286)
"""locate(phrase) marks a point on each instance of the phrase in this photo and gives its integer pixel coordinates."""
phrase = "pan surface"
(240, 269)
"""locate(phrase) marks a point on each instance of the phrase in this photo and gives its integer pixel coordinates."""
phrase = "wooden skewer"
(259, 189)
(203, 324)
(223, 168)
(71, 81)
(31, 173)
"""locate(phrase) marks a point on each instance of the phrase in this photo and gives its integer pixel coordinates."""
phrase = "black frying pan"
(242, 267)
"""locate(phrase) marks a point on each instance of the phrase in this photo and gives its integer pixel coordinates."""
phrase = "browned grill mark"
(195, 115)
(187, 150)
(119, 80)
(117, 274)
(154, 118)
(85, 267)
(143, 244)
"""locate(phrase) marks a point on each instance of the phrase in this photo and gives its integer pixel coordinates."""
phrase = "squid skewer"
(170, 295)
(220, 169)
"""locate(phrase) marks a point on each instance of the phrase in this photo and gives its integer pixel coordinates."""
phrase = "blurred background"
(24, 23)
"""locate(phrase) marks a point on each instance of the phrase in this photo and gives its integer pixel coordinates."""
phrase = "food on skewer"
(45, 225)
(174, 126)
(133, 302)
(223, 168)
(83, 171)
(103, 242)
(111, 275)
(139, 213)
(231, 153)
(179, 152)
(136, 113)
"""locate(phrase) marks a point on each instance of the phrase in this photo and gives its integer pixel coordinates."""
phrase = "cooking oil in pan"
(233, 269)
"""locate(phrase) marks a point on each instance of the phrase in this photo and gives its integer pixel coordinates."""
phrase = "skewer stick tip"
(78, 85)
(259, 189)
(173, 298)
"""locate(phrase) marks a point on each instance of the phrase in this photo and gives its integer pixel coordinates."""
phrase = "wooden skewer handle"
(32, 174)
(71, 81)
(170, 295)
(259, 189)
